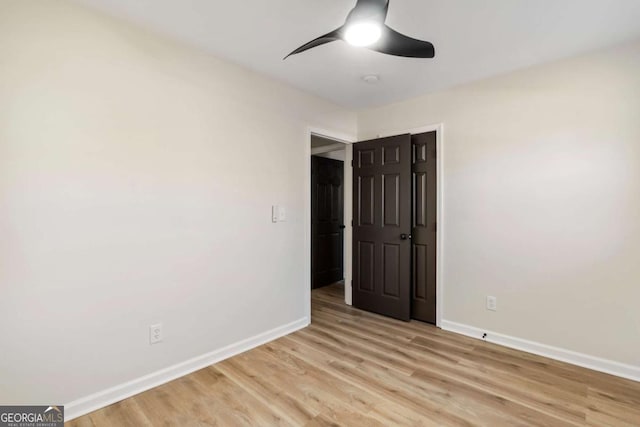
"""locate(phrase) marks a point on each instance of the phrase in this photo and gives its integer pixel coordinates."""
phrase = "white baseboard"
(120, 392)
(584, 360)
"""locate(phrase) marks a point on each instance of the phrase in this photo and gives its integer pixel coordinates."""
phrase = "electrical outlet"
(492, 303)
(155, 333)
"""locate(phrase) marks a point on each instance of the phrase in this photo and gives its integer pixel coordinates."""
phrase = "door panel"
(382, 215)
(391, 263)
(419, 271)
(390, 155)
(365, 209)
(365, 158)
(366, 266)
(391, 200)
(327, 216)
(423, 298)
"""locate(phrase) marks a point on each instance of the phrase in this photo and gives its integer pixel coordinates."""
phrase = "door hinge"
(352, 223)
(351, 163)
(435, 227)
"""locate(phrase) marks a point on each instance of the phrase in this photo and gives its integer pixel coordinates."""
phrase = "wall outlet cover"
(155, 333)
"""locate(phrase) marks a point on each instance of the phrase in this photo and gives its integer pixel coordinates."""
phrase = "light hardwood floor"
(354, 368)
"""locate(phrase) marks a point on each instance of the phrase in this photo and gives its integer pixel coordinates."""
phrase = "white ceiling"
(319, 141)
(473, 38)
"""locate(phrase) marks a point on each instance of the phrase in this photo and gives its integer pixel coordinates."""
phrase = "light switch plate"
(282, 213)
(274, 213)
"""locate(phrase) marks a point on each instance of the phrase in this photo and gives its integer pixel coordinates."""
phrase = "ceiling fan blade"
(327, 38)
(394, 43)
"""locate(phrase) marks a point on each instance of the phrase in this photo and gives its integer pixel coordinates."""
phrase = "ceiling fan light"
(363, 33)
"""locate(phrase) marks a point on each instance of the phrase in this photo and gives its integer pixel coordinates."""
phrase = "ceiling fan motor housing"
(374, 11)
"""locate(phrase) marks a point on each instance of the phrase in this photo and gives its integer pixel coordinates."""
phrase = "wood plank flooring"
(352, 368)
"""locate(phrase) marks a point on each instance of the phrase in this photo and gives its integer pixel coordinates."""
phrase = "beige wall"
(136, 184)
(541, 200)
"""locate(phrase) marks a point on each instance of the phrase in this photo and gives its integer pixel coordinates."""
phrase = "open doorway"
(330, 143)
(328, 222)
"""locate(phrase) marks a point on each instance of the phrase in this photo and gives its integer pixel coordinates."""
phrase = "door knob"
(405, 236)
(342, 227)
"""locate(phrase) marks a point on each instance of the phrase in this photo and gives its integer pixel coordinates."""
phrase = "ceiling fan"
(365, 27)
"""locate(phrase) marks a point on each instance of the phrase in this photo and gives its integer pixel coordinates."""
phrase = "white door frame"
(439, 129)
(347, 140)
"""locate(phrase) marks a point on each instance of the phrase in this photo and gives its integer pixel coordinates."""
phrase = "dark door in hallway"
(424, 201)
(382, 226)
(327, 221)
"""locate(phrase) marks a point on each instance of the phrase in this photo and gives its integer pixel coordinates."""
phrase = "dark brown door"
(423, 298)
(327, 221)
(382, 226)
